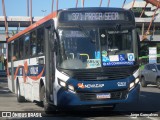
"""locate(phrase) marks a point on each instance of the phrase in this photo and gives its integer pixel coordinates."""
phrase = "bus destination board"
(92, 16)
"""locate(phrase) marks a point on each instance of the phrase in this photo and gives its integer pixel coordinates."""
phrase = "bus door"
(49, 60)
(12, 67)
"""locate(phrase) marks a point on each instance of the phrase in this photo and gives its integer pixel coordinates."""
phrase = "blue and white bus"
(76, 57)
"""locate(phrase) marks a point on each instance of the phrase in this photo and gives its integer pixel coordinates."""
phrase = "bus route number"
(94, 16)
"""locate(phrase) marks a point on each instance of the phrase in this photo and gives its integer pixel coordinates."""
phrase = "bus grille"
(118, 95)
(109, 75)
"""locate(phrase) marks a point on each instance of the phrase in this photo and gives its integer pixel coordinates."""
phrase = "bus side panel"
(35, 75)
(28, 73)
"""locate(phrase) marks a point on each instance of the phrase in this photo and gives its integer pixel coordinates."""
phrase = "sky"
(19, 7)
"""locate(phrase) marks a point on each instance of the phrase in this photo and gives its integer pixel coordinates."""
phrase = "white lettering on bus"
(76, 16)
(34, 70)
(95, 16)
(111, 16)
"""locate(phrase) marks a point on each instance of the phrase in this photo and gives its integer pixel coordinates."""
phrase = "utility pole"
(108, 2)
(27, 7)
(31, 12)
(76, 3)
(57, 5)
(52, 6)
(82, 3)
(5, 18)
(100, 3)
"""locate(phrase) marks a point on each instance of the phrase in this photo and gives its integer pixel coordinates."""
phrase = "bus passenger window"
(40, 41)
(9, 52)
(15, 53)
(21, 48)
(33, 44)
(26, 45)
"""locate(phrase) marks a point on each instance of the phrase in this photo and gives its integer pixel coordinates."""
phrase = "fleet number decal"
(120, 84)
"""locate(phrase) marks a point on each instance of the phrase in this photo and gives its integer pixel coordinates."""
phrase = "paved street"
(148, 105)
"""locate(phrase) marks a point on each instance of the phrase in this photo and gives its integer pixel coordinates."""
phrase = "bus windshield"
(77, 48)
(116, 47)
(93, 48)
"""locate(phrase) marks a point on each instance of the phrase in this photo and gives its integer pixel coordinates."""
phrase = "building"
(149, 36)
(3, 48)
(144, 22)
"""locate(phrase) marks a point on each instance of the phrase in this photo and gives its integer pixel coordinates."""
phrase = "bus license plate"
(104, 96)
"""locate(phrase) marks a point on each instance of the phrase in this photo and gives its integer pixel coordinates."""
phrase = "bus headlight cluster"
(137, 80)
(63, 84)
(133, 84)
(70, 87)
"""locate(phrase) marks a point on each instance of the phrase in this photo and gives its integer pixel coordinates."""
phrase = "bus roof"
(96, 9)
(36, 24)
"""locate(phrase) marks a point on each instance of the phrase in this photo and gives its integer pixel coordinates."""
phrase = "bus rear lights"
(61, 83)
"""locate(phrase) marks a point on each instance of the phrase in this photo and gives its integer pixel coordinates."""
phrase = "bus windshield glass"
(92, 48)
(116, 47)
(78, 48)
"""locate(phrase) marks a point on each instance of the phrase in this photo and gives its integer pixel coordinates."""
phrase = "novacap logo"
(81, 85)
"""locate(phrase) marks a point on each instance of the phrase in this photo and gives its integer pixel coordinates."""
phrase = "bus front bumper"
(67, 98)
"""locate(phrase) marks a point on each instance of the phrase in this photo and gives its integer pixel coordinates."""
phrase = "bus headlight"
(133, 84)
(70, 87)
(61, 83)
(137, 80)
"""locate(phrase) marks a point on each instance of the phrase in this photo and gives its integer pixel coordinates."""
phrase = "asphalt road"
(147, 108)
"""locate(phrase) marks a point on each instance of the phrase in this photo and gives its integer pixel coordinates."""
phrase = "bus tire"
(158, 83)
(143, 82)
(19, 97)
(48, 108)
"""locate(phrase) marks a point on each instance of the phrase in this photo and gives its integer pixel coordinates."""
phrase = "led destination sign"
(93, 16)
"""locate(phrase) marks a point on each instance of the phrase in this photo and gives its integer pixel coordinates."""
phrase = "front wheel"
(158, 83)
(19, 97)
(48, 108)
